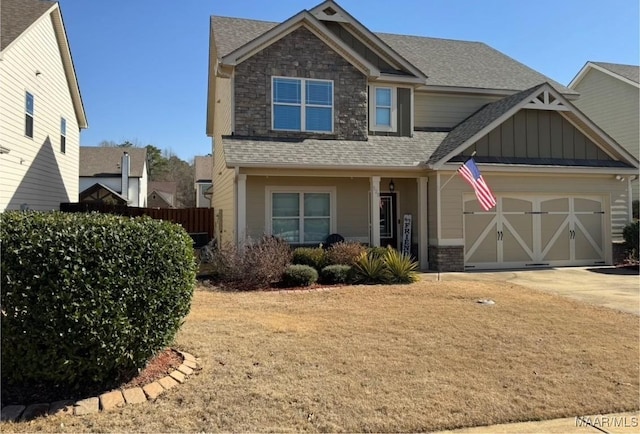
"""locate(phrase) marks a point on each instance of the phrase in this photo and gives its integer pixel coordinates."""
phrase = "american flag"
(471, 174)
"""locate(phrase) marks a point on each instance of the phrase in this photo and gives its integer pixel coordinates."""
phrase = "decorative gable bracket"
(545, 100)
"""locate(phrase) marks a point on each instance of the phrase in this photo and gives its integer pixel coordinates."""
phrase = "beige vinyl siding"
(613, 105)
(352, 202)
(223, 199)
(614, 193)
(446, 111)
(35, 172)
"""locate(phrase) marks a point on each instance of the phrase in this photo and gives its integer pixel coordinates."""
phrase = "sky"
(142, 65)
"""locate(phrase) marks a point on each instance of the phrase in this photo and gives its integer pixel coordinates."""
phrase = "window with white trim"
(382, 112)
(301, 104)
(28, 115)
(63, 135)
(301, 216)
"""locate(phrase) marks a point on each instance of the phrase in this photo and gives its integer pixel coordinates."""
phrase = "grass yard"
(421, 357)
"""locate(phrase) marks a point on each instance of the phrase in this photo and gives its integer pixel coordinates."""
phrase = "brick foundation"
(446, 258)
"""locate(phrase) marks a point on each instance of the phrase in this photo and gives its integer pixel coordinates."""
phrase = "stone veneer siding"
(446, 258)
(300, 55)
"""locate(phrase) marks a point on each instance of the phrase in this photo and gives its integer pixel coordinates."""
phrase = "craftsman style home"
(321, 127)
(41, 110)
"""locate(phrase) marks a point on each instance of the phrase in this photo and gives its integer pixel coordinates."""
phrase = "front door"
(388, 220)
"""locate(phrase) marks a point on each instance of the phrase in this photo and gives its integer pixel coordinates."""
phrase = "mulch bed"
(25, 394)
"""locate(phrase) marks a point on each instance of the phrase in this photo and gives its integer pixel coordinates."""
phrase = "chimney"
(125, 167)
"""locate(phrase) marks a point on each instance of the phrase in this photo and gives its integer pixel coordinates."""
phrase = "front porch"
(305, 208)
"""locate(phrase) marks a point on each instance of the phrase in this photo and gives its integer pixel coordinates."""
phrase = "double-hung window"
(300, 104)
(63, 135)
(302, 216)
(383, 109)
(28, 115)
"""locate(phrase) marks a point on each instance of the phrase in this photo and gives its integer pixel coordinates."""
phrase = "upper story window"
(28, 116)
(63, 135)
(383, 109)
(300, 104)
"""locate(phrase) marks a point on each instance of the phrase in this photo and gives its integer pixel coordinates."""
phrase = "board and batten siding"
(223, 199)
(613, 105)
(613, 192)
(35, 173)
(446, 111)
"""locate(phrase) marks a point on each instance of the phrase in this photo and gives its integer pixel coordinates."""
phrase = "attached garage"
(534, 231)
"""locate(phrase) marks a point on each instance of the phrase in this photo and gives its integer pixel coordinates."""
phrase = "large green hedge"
(89, 298)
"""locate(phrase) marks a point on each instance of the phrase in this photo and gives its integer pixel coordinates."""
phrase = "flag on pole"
(471, 174)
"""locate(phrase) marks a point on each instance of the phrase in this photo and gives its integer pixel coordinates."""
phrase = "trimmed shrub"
(631, 236)
(299, 275)
(401, 268)
(377, 252)
(344, 253)
(311, 256)
(370, 269)
(256, 265)
(88, 299)
(332, 274)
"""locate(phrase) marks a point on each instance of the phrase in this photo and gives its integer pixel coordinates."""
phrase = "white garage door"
(534, 231)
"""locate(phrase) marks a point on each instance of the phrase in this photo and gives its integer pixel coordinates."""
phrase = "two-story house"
(41, 110)
(321, 126)
(114, 175)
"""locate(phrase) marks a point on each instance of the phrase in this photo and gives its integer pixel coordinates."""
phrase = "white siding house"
(40, 107)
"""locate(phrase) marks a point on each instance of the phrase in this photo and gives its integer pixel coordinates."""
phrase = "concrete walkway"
(603, 286)
(619, 423)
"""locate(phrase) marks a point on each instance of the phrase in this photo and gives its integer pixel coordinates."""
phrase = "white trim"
(374, 188)
(590, 65)
(439, 209)
(540, 169)
(373, 126)
(450, 242)
(270, 189)
(423, 222)
(303, 104)
(242, 207)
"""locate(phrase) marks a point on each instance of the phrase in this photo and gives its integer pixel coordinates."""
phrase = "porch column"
(375, 211)
(241, 230)
(423, 224)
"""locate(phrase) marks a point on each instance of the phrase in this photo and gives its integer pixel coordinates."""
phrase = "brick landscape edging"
(107, 401)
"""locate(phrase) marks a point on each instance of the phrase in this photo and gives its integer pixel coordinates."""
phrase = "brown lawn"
(390, 358)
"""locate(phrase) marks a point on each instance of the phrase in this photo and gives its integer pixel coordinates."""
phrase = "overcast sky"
(142, 64)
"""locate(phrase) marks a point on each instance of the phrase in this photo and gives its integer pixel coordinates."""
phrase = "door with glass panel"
(388, 220)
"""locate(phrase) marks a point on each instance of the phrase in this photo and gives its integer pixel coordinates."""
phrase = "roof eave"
(419, 166)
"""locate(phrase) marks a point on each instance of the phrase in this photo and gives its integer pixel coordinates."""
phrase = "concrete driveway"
(611, 287)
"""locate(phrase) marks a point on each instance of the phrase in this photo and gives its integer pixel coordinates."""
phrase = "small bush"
(332, 274)
(401, 268)
(88, 299)
(370, 270)
(635, 207)
(344, 253)
(299, 275)
(631, 236)
(377, 252)
(311, 256)
(256, 265)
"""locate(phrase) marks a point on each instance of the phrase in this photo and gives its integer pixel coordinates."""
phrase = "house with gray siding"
(321, 126)
(41, 110)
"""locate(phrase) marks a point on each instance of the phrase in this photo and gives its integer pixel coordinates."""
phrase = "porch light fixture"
(392, 186)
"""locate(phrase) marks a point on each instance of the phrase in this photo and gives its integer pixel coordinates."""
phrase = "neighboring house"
(162, 194)
(41, 111)
(610, 96)
(203, 184)
(321, 126)
(113, 175)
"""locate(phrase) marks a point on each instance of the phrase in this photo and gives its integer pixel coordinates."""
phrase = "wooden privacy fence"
(197, 221)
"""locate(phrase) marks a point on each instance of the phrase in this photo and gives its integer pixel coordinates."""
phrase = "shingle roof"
(17, 15)
(170, 187)
(477, 121)
(630, 72)
(106, 161)
(203, 168)
(445, 62)
(378, 151)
